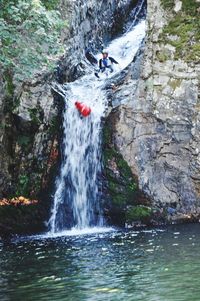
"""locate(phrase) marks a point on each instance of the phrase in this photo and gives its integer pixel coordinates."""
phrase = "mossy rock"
(120, 185)
(36, 115)
(138, 213)
(185, 26)
(174, 83)
(29, 183)
(9, 83)
(119, 200)
(163, 56)
(188, 6)
(54, 125)
(124, 168)
(167, 4)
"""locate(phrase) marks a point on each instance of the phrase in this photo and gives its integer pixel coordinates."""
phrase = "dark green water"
(146, 265)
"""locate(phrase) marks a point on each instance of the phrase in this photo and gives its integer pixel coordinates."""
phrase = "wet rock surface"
(121, 193)
(158, 122)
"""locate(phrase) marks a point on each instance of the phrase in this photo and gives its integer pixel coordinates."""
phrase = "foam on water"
(77, 232)
(67, 233)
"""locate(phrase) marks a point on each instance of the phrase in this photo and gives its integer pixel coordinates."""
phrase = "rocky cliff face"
(157, 126)
(31, 114)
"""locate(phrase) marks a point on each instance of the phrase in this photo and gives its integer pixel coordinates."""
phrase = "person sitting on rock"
(106, 63)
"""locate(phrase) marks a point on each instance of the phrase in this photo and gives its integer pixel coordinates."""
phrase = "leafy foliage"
(23, 185)
(50, 4)
(29, 36)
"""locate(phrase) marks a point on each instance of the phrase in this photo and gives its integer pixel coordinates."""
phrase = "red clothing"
(83, 109)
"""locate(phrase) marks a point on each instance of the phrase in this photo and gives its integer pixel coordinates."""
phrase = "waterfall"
(77, 186)
(77, 196)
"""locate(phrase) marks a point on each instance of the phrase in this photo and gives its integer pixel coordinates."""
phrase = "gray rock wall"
(157, 131)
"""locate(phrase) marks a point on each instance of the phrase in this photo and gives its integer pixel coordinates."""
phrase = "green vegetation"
(50, 4)
(121, 183)
(30, 36)
(138, 213)
(167, 4)
(28, 184)
(9, 84)
(23, 185)
(184, 26)
(54, 125)
(188, 6)
(34, 115)
(124, 168)
(23, 140)
(174, 83)
(162, 56)
(125, 201)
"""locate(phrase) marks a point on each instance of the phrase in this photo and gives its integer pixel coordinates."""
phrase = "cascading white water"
(76, 200)
(77, 185)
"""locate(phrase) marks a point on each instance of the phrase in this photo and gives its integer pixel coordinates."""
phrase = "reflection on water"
(156, 265)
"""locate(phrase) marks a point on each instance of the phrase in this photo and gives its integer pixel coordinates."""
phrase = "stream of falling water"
(76, 200)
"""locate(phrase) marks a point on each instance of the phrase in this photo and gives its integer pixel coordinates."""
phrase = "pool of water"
(154, 265)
